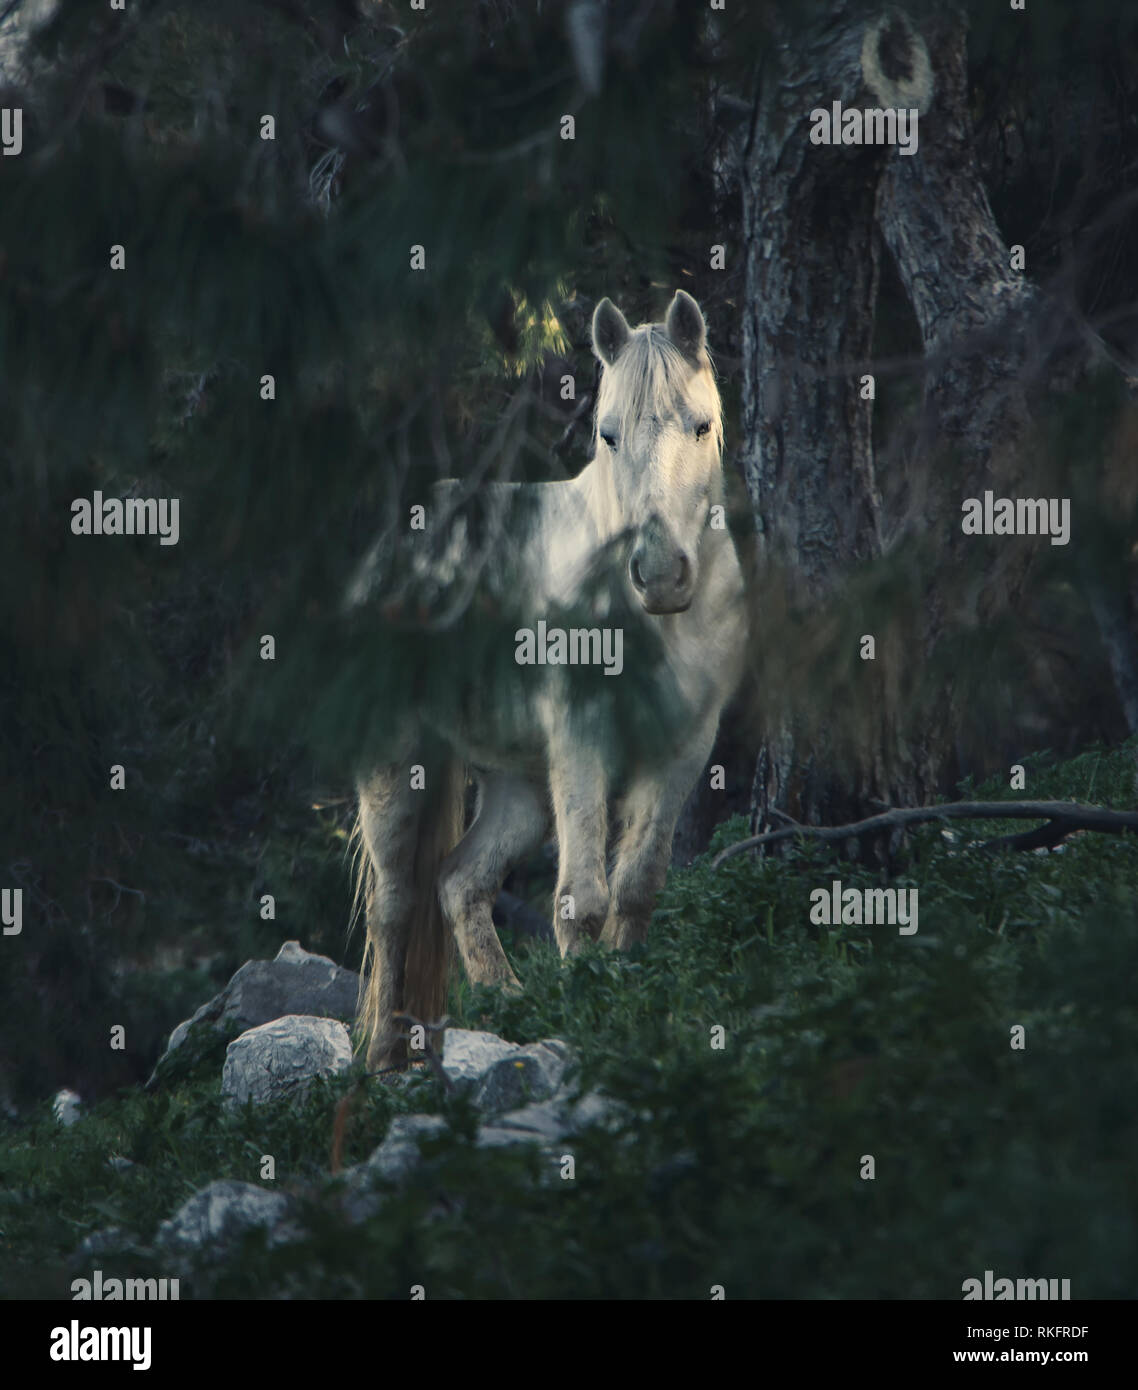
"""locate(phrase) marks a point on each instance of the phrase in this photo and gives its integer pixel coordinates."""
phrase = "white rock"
(280, 1058)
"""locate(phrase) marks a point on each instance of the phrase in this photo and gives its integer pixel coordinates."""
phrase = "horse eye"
(701, 430)
(610, 439)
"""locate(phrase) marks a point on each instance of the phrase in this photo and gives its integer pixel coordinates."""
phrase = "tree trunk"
(997, 351)
(718, 794)
(811, 284)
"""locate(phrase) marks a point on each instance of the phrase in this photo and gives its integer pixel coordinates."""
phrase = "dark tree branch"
(731, 111)
(581, 413)
(430, 1056)
(1063, 817)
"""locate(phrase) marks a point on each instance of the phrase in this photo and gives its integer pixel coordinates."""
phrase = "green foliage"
(247, 257)
(241, 262)
(738, 1166)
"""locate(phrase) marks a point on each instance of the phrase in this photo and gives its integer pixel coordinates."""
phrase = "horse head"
(659, 435)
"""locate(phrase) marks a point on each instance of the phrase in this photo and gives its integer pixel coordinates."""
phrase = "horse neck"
(577, 518)
(597, 493)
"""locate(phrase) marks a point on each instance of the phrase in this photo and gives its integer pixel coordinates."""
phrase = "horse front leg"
(649, 812)
(578, 786)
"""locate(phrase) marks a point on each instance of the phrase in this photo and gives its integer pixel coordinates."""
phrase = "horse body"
(627, 541)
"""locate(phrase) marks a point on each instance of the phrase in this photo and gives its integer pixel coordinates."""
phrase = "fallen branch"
(1063, 817)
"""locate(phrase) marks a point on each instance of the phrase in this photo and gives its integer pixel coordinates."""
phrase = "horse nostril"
(634, 571)
(683, 575)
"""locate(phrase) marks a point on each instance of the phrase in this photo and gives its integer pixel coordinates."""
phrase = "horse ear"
(610, 331)
(686, 327)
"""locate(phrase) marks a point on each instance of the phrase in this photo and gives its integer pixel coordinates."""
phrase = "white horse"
(638, 536)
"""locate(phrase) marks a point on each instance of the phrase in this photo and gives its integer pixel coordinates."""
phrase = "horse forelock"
(650, 379)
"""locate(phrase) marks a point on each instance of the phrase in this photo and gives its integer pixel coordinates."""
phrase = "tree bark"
(811, 284)
(997, 350)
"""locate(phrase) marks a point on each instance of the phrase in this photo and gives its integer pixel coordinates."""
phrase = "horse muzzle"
(662, 588)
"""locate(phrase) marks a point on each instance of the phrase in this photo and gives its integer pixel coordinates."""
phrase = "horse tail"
(430, 941)
(430, 948)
